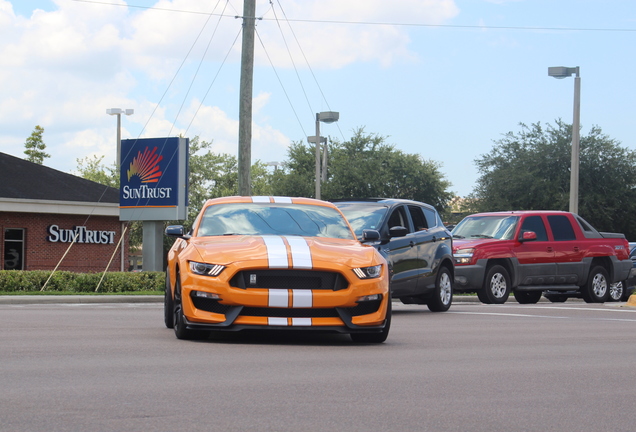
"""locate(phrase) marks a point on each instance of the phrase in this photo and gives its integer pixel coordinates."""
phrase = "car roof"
(268, 199)
(519, 213)
(380, 201)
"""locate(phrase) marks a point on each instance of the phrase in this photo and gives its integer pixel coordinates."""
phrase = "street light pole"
(576, 132)
(325, 117)
(564, 72)
(118, 112)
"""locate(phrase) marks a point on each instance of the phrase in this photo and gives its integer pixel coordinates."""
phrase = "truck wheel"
(528, 297)
(496, 287)
(596, 290)
(443, 293)
(556, 298)
(617, 290)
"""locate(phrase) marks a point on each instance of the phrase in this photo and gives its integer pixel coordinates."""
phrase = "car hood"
(468, 243)
(284, 251)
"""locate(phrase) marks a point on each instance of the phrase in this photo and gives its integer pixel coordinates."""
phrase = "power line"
(397, 24)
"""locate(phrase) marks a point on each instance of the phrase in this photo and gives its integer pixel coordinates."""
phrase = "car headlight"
(464, 256)
(206, 269)
(368, 272)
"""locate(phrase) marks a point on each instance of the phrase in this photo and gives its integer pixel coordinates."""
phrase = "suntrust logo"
(146, 166)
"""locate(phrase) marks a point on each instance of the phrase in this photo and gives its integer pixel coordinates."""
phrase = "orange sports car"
(275, 263)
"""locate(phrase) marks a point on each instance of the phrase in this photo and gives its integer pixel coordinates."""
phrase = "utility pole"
(245, 99)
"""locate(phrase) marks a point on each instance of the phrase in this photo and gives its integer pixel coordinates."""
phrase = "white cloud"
(61, 69)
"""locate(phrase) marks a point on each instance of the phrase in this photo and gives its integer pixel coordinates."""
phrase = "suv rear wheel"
(596, 290)
(443, 294)
(496, 288)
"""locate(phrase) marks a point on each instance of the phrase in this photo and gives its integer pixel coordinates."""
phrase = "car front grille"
(289, 279)
(214, 306)
(289, 312)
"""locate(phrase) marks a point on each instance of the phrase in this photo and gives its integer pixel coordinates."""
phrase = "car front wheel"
(496, 287)
(180, 328)
(168, 304)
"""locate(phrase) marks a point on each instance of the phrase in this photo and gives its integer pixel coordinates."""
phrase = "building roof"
(24, 180)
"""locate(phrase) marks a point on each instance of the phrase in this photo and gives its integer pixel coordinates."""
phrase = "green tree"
(34, 146)
(92, 168)
(364, 166)
(530, 170)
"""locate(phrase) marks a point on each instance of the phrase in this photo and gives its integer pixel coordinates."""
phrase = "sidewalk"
(79, 299)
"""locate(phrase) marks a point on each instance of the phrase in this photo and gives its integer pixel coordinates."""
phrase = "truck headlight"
(464, 256)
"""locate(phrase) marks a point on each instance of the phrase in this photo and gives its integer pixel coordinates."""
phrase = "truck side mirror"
(528, 236)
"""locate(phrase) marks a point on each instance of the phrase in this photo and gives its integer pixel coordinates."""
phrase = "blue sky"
(440, 78)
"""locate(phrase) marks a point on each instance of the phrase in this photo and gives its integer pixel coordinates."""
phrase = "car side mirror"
(528, 236)
(176, 231)
(398, 231)
(370, 235)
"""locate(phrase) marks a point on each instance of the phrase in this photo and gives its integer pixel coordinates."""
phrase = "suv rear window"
(561, 228)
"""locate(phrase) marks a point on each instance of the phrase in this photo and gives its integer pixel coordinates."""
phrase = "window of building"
(13, 249)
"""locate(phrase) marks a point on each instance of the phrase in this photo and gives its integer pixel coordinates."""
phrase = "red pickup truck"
(529, 252)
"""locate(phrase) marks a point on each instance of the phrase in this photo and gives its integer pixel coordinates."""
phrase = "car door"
(424, 236)
(568, 251)
(402, 254)
(536, 257)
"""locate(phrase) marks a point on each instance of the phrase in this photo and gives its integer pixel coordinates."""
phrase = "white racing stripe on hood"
(260, 199)
(276, 252)
(301, 254)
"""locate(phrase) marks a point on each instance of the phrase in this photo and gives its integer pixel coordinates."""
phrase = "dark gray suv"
(414, 242)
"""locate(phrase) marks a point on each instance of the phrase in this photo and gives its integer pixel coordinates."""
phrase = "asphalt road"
(115, 367)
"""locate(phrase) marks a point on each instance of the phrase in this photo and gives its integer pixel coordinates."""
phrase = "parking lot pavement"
(51, 299)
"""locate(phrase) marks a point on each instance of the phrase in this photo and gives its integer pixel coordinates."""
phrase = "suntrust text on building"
(79, 234)
(153, 179)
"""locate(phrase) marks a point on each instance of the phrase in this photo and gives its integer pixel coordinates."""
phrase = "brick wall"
(41, 254)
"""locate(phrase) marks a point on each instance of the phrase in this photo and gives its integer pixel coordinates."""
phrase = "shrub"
(16, 281)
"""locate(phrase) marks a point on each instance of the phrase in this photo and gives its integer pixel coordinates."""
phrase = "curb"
(79, 299)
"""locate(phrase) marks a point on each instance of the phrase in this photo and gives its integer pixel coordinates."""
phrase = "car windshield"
(362, 216)
(499, 227)
(273, 219)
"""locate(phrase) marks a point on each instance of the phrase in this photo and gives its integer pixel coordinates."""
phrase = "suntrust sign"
(79, 234)
(153, 179)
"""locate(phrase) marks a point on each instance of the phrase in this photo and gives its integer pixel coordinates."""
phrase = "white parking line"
(506, 314)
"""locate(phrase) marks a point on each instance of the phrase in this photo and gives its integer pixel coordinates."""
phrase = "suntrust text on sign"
(153, 179)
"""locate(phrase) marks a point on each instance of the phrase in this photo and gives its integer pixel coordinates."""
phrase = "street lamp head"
(561, 72)
(328, 116)
(115, 111)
